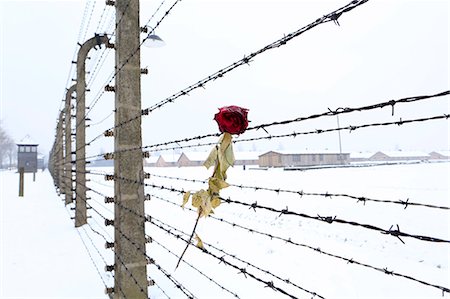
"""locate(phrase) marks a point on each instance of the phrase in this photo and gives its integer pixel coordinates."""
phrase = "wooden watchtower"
(27, 155)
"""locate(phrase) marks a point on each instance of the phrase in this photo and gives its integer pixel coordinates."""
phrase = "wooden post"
(80, 151)
(21, 183)
(130, 261)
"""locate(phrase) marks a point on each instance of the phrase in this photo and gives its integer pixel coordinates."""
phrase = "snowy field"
(41, 249)
(41, 255)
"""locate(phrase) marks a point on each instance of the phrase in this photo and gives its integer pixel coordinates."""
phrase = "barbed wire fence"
(140, 219)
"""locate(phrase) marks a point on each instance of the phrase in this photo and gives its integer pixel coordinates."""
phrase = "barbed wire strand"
(89, 20)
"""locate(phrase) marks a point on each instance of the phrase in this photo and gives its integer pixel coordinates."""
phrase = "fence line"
(126, 262)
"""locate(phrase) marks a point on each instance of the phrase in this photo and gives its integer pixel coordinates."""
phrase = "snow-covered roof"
(303, 152)
(443, 153)
(196, 156)
(361, 155)
(27, 140)
(396, 154)
(170, 157)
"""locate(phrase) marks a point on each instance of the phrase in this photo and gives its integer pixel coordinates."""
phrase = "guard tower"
(27, 155)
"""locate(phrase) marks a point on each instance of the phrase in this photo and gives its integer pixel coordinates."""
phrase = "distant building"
(306, 158)
(400, 156)
(247, 158)
(151, 162)
(40, 161)
(192, 158)
(440, 155)
(27, 155)
(102, 163)
(168, 160)
(361, 156)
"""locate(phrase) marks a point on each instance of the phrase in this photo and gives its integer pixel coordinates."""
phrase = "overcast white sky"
(383, 50)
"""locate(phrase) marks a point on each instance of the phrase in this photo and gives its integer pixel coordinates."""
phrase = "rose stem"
(190, 238)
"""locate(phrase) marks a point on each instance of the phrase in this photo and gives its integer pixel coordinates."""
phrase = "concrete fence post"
(68, 145)
(80, 151)
(60, 153)
(130, 261)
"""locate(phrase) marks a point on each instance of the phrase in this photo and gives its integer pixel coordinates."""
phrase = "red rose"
(232, 119)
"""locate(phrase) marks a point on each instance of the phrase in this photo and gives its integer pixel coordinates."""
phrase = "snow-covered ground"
(42, 252)
(41, 255)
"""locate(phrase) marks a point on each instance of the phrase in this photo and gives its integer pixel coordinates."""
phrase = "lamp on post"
(152, 40)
